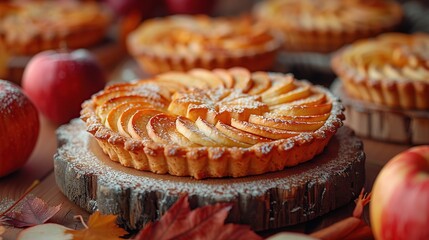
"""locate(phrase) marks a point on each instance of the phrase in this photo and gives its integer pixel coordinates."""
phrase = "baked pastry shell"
(213, 162)
(404, 94)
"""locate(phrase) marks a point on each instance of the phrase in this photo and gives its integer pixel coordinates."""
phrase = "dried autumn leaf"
(33, 211)
(99, 227)
(207, 222)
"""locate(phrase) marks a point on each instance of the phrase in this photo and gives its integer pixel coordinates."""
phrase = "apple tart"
(390, 70)
(184, 42)
(28, 27)
(324, 26)
(217, 123)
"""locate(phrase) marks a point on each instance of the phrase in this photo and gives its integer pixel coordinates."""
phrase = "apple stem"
(351, 227)
(361, 202)
(79, 217)
(29, 189)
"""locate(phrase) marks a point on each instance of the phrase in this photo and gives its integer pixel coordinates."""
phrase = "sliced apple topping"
(216, 104)
(213, 133)
(207, 76)
(260, 130)
(136, 125)
(298, 93)
(212, 108)
(242, 79)
(161, 128)
(113, 116)
(310, 118)
(125, 117)
(188, 129)
(261, 83)
(304, 110)
(279, 86)
(290, 125)
(181, 78)
(227, 79)
(104, 109)
(239, 135)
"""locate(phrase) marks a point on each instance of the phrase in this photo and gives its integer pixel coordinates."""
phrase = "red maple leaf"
(207, 222)
(34, 211)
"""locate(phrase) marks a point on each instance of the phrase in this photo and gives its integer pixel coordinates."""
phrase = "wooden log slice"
(382, 122)
(91, 180)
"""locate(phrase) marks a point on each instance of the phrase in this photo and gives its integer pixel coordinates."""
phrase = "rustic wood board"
(382, 122)
(91, 180)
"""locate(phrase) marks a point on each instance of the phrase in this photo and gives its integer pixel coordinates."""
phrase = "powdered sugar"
(10, 95)
(89, 178)
(84, 156)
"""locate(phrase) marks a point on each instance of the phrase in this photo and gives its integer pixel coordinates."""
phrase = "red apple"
(58, 82)
(19, 128)
(399, 207)
(190, 6)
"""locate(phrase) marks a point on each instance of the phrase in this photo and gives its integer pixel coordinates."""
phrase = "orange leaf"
(202, 223)
(99, 227)
(2, 230)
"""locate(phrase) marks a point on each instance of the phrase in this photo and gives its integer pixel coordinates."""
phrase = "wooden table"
(40, 167)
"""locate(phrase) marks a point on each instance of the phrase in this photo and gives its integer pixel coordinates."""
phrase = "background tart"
(324, 26)
(183, 42)
(30, 27)
(213, 123)
(390, 70)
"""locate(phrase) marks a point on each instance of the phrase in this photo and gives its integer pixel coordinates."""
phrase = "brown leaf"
(34, 211)
(207, 222)
(99, 227)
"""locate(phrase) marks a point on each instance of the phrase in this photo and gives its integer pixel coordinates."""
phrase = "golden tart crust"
(184, 42)
(30, 27)
(324, 26)
(213, 123)
(390, 70)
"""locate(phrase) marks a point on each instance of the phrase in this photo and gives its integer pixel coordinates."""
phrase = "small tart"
(324, 26)
(28, 27)
(183, 42)
(262, 122)
(390, 70)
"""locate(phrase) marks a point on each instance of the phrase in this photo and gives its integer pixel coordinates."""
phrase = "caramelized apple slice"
(309, 118)
(161, 128)
(224, 75)
(165, 84)
(179, 106)
(261, 82)
(112, 119)
(242, 79)
(100, 98)
(104, 109)
(304, 110)
(313, 99)
(125, 117)
(137, 123)
(239, 135)
(188, 129)
(207, 76)
(281, 85)
(290, 125)
(212, 132)
(263, 131)
(180, 77)
(298, 93)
